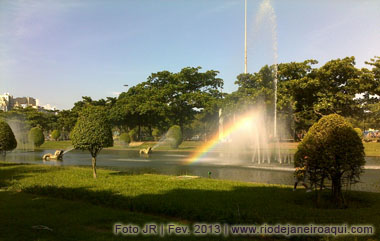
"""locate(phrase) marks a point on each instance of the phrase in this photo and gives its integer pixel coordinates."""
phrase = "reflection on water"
(230, 167)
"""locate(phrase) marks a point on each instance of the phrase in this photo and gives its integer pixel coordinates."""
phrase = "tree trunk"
(139, 133)
(93, 159)
(319, 192)
(337, 192)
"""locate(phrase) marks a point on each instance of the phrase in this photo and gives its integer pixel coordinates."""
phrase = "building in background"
(24, 102)
(8, 102)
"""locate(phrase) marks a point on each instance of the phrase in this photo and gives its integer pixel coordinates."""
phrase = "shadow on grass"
(10, 172)
(253, 205)
(71, 221)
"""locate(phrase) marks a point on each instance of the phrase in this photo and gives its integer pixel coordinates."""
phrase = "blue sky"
(58, 51)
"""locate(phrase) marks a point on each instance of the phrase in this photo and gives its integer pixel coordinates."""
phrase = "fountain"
(58, 156)
(146, 151)
(20, 129)
(250, 134)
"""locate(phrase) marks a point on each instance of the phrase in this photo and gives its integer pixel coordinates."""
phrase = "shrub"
(92, 132)
(36, 136)
(124, 137)
(332, 149)
(359, 131)
(7, 138)
(133, 134)
(174, 136)
(56, 134)
(156, 133)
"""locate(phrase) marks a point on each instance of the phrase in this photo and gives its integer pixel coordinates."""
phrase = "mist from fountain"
(267, 15)
(252, 137)
(163, 140)
(20, 129)
(69, 149)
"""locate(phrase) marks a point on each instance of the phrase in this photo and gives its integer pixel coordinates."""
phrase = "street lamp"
(126, 86)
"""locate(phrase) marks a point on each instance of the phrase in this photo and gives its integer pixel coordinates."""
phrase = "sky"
(58, 51)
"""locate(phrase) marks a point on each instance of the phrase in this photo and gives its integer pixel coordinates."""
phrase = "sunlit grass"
(201, 200)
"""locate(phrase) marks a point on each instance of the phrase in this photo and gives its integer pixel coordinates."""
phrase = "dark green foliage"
(156, 133)
(332, 150)
(92, 132)
(133, 134)
(56, 134)
(174, 136)
(7, 138)
(36, 136)
(124, 137)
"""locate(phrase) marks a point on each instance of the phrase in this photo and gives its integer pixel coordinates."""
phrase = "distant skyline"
(59, 51)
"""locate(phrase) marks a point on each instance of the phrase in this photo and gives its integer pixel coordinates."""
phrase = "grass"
(371, 148)
(168, 197)
(55, 145)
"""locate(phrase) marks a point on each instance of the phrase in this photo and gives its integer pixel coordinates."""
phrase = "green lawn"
(55, 145)
(166, 197)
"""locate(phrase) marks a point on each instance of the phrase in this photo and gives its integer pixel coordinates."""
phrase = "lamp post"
(245, 37)
(126, 86)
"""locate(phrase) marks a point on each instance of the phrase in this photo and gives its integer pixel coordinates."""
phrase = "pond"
(239, 168)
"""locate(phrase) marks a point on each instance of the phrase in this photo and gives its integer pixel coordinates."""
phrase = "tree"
(66, 121)
(133, 134)
(359, 132)
(332, 149)
(36, 136)
(92, 132)
(156, 133)
(124, 137)
(7, 138)
(174, 136)
(56, 134)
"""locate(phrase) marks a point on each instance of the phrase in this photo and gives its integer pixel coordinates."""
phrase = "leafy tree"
(174, 136)
(66, 120)
(332, 149)
(156, 133)
(36, 136)
(359, 132)
(92, 132)
(7, 138)
(56, 134)
(133, 134)
(124, 137)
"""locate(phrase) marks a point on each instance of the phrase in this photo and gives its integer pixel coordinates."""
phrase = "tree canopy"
(92, 132)
(332, 150)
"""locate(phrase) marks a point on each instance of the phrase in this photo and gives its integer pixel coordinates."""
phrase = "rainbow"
(243, 122)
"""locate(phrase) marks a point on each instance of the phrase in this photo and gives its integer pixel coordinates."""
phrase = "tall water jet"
(266, 12)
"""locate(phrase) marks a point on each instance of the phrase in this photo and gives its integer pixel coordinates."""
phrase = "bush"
(359, 131)
(156, 133)
(133, 134)
(332, 150)
(174, 136)
(36, 136)
(7, 138)
(56, 134)
(124, 137)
